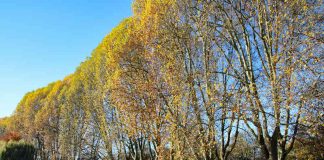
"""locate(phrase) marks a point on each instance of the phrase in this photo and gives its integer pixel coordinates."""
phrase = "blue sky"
(42, 41)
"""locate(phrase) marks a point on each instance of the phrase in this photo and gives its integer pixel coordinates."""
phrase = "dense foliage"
(190, 79)
(17, 151)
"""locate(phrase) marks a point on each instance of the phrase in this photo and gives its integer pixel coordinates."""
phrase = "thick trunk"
(274, 144)
(284, 156)
(274, 149)
(264, 149)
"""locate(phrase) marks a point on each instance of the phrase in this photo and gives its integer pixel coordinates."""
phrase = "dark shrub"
(17, 151)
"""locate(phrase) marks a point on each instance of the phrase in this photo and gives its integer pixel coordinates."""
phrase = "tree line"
(190, 79)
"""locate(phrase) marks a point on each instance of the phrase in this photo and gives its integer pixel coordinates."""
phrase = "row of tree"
(190, 79)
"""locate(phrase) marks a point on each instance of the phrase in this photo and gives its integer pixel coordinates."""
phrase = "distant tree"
(4, 125)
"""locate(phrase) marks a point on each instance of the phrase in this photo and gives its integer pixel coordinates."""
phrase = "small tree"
(17, 151)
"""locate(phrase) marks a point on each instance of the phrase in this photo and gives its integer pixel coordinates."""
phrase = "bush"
(2, 146)
(17, 151)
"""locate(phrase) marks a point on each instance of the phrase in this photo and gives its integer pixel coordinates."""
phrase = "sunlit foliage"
(189, 79)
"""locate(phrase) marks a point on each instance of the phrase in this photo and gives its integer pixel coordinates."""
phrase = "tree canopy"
(189, 79)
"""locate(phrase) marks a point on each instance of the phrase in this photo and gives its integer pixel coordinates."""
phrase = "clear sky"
(42, 41)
